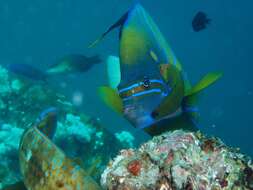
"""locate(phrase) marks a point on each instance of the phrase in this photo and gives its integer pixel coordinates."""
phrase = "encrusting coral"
(180, 160)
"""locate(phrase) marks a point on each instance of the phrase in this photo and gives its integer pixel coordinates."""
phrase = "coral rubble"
(179, 160)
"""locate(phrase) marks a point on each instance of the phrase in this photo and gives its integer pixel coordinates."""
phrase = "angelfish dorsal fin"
(117, 24)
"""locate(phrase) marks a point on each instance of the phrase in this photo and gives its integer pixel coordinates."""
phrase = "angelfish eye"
(146, 82)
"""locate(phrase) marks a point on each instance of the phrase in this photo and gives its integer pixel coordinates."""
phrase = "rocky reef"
(180, 160)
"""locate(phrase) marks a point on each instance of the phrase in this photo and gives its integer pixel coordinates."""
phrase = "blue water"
(38, 32)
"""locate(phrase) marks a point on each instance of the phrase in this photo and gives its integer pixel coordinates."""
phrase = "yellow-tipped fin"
(206, 81)
(154, 56)
(111, 98)
(98, 40)
(117, 24)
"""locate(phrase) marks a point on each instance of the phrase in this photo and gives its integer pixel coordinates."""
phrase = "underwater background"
(38, 32)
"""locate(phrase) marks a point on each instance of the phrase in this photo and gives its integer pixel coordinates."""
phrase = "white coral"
(125, 138)
(73, 126)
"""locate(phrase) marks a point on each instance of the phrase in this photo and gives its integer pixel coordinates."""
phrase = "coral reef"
(9, 145)
(125, 138)
(20, 104)
(73, 126)
(180, 160)
(5, 86)
(174, 160)
(82, 138)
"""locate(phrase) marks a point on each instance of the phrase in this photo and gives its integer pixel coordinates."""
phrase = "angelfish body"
(143, 52)
(152, 86)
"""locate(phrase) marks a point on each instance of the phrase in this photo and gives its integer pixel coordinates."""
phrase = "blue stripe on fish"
(140, 84)
(129, 88)
(46, 112)
(146, 92)
(191, 109)
(157, 81)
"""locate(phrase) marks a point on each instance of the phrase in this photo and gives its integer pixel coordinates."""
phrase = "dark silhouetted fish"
(27, 71)
(73, 63)
(200, 21)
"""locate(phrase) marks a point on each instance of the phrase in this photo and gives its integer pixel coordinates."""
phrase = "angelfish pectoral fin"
(117, 24)
(113, 71)
(206, 81)
(111, 98)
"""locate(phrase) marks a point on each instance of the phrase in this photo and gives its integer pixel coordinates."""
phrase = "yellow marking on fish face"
(162, 43)
(154, 56)
(133, 46)
(164, 68)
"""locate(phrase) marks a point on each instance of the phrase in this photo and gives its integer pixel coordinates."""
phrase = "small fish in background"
(27, 71)
(73, 63)
(200, 21)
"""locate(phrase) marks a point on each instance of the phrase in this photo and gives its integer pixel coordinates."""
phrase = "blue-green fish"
(150, 88)
(28, 71)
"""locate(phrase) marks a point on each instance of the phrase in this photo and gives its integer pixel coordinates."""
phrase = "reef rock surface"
(179, 160)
